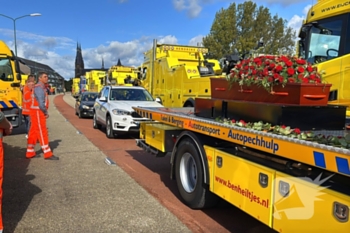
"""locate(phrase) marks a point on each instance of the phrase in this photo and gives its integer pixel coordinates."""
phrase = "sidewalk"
(78, 193)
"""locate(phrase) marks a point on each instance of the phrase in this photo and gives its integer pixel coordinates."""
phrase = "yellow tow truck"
(289, 184)
(122, 75)
(96, 80)
(178, 74)
(75, 87)
(324, 42)
(10, 86)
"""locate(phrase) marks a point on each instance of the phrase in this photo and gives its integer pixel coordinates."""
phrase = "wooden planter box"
(307, 94)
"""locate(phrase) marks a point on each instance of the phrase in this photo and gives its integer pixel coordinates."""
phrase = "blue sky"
(115, 29)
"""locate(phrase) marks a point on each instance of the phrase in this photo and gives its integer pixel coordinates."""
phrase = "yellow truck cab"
(178, 74)
(122, 75)
(10, 81)
(324, 41)
(96, 80)
(75, 87)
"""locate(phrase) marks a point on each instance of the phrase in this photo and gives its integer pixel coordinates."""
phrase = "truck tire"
(109, 128)
(94, 122)
(189, 177)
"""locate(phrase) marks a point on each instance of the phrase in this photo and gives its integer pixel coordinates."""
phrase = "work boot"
(52, 158)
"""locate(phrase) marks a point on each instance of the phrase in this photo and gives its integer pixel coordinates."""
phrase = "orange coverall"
(26, 98)
(27, 95)
(38, 129)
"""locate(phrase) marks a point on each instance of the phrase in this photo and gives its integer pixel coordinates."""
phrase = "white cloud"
(196, 40)
(192, 7)
(59, 53)
(296, 21)
(283, 2)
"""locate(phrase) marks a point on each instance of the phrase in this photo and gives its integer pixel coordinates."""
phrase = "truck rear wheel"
(189, 177)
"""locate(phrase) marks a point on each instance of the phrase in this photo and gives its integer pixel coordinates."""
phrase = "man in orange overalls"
(38, 115)
(26, 99)
(5, 129)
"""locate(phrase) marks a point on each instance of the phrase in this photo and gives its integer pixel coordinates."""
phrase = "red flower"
(309, 69)
(289, 63)
(242, 122)
(268, 70)
(233, 121)
(257, 61)
(278, 68)
(290, 71)
(300, 69)
(305, 80)
(283, 126)
(297, 131)
(300, 61)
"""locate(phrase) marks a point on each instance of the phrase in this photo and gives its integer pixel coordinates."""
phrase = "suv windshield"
(130, 95)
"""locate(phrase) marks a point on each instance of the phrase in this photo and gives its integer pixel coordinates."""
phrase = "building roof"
(36, 66)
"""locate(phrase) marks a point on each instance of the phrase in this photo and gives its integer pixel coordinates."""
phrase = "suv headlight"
(120, 112)
(85, 107)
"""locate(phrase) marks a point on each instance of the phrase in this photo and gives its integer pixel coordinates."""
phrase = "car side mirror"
(103, 99)
(159, 100)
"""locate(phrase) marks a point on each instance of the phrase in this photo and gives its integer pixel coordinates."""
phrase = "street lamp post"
(14, 25)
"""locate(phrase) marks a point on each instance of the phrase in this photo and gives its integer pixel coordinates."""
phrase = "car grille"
(135, 115)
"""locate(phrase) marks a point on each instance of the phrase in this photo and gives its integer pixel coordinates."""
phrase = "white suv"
(113, 109)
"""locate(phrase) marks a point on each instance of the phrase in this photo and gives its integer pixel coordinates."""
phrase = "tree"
(240, 27)
(68, 84)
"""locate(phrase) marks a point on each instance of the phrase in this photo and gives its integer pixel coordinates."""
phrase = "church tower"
(79, 63)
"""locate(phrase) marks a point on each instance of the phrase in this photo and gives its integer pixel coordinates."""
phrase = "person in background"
(47, 88)
(26, 98)
(38, 115)
(5, 129)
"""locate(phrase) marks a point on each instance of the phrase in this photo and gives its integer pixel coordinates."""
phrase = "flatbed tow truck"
(289, 184)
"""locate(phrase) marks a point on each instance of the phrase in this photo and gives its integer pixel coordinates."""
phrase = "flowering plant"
(270, 70)
(331, 140)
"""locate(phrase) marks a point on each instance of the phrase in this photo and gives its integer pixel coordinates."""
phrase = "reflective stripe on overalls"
(38, 129)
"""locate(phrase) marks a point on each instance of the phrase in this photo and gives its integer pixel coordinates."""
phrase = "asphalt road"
(81, 193)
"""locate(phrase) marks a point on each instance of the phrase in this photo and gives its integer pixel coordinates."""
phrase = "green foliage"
(241, 26)
(68, 84)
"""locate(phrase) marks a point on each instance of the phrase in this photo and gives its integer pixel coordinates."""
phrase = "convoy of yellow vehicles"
(178, 74)
(289, 184)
